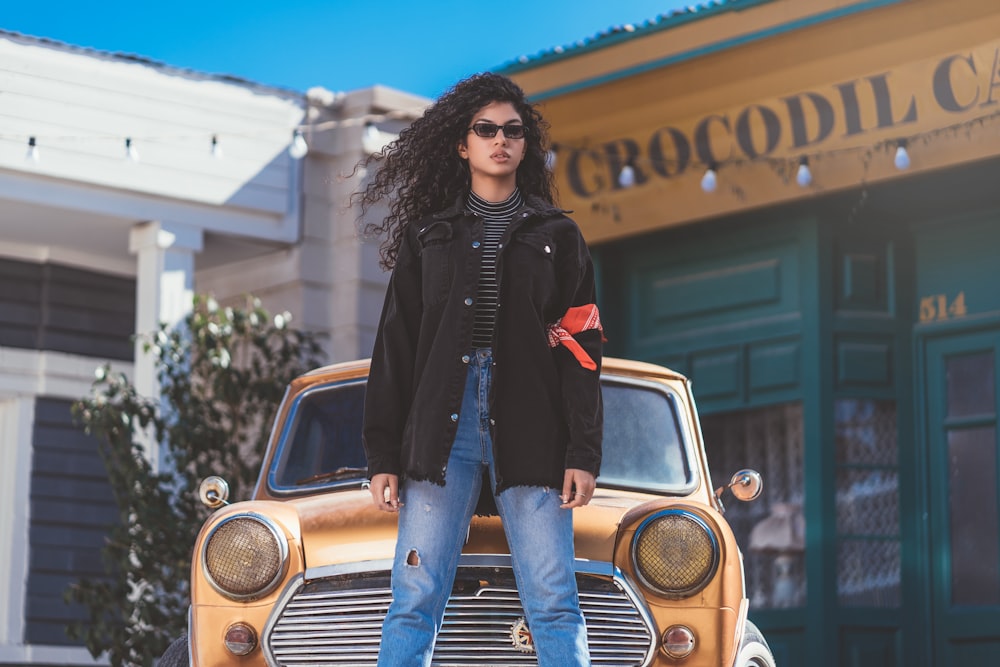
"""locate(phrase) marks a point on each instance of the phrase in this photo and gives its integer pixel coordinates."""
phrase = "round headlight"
(245, 556)
(675, 553)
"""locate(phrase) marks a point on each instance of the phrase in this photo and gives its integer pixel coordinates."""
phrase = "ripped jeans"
(433, 524)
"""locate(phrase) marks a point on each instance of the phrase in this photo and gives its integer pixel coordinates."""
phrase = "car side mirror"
(746, 485)
(214, 492)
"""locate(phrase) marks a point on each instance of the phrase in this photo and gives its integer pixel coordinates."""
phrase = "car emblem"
(521, 636)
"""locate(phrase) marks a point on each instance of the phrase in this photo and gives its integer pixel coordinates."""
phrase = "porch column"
(164, 289)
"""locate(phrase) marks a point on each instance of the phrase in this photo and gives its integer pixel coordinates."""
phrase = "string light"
(626, 177)
(371, 140)
(298, 148)
(798, 165)
(374, 140)
(902, 158)
(709, 181)
(550, 159)
(803, 176)
(130, 150)
(32, 154)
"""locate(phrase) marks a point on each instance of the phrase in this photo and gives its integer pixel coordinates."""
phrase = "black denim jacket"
(546, 409)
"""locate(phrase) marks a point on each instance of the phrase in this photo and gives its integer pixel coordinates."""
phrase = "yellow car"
(299, 575)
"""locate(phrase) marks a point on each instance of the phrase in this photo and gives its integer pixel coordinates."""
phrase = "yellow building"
(797, 203)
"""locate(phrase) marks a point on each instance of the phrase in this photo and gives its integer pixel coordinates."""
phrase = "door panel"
(961, 401)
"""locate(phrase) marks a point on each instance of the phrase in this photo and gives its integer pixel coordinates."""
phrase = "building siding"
(106, 98)
(64, 309)
(71, 508)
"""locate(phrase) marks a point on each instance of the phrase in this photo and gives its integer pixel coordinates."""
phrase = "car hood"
(345, 527)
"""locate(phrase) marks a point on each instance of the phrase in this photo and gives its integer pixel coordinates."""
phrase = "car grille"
(337, 620)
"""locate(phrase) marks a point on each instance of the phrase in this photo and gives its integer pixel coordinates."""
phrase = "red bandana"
(576, 320)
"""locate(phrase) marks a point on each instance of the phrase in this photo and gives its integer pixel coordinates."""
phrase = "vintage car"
(299, 574)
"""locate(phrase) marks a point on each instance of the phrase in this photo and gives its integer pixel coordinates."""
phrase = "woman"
(485, 371)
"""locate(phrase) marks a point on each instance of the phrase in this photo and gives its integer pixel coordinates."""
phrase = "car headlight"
(675, 553)
(245, 556)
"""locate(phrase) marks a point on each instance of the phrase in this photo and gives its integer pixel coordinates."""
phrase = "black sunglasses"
(489, 130)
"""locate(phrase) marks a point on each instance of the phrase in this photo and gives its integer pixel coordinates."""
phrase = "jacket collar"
(533, 205)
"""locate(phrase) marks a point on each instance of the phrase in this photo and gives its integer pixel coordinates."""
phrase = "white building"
(126, 186)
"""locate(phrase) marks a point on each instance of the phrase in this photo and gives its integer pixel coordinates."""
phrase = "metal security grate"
(869, 570)
(338, 621)
(238, 542)
(676, 553)
(768, 439)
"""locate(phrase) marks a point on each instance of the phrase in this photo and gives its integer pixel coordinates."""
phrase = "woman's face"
(493, 161)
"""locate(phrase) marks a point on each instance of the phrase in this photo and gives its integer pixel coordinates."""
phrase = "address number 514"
(937, 307)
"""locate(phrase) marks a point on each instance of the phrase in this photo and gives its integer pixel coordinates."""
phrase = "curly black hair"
(421, 172)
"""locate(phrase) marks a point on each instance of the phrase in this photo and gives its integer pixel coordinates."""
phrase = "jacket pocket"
(435, 258)
(530, 269)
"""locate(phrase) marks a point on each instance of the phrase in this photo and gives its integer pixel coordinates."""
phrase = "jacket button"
(499, 245)
(468, 301)
(454, 416)
(547, 249)
(524, 215)
(465, 358)
(493, 422)
(475, 244)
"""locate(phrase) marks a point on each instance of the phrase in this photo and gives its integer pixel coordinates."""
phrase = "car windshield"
(320, 445)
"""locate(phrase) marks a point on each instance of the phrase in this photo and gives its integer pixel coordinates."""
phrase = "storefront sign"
(880, 107)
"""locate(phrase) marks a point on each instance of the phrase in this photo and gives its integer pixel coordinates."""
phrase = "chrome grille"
(337, 620)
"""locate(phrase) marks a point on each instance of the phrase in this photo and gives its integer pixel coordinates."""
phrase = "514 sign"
(937, 307)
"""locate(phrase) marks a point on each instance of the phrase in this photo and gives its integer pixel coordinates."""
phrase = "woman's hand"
(578, 488)
(382, 482)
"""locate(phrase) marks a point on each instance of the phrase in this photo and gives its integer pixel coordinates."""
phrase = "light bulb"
(33, 154)
(550, 159)
(709, 180)
(298, 148)
(902, 159)
(626, 177)
(130, 150)
(371, 140)
(216, 148)
(803, 176)
(374, 140)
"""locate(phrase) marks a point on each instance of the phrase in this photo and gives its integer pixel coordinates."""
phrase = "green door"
(961, 407)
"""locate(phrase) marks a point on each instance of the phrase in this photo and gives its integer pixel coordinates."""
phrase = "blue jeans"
(433, 524)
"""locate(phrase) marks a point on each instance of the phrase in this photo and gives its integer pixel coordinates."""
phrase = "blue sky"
(420, 46)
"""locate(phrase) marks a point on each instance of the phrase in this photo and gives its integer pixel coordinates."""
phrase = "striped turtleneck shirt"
(495, 216)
